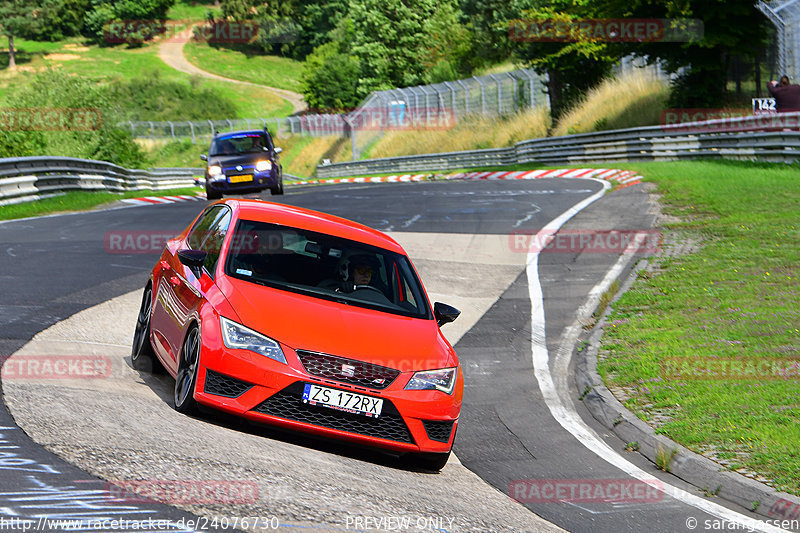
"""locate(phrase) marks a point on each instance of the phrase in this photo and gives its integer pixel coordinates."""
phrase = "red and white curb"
(150, 200)
(624, 178)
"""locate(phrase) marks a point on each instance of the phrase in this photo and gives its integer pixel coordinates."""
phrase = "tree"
(330, 77)
(729, 28)
(122, 12)
(488, 23)
(573, 66)
(317, 20)
(20, 18)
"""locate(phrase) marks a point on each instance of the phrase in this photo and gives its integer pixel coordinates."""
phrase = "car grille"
(288, 404)
(332, 367)
(438, 430)
(221, 385)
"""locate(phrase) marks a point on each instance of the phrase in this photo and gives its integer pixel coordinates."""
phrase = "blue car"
(242, 162)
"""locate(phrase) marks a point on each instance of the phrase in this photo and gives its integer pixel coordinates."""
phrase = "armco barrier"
(29, 178)
(773, 138)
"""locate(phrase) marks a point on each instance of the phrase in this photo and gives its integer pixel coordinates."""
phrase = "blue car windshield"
(241, 143)
(324, 266)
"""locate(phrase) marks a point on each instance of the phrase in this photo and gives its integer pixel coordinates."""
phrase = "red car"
(303, 320)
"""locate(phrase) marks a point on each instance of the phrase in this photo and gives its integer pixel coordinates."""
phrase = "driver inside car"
(360, 271)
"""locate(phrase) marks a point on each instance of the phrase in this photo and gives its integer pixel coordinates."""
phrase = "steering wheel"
(370, 287)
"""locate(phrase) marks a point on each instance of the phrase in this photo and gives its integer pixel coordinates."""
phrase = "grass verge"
(706, 345)
(79, 201)
(242, 62)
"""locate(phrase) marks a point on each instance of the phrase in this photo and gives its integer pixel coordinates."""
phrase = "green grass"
(121, 62)
(79, 201)
(734, 297)
(242, 62)
(189, 10)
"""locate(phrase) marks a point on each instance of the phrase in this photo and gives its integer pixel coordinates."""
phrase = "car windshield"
(240, 143)
(324, 266)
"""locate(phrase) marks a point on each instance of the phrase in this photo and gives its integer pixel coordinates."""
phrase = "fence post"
(133, 130)
(499, 94)
(466, 96)
(212, 127)
(171, 129)
(191, 127)
(483, 95)
(530, 77)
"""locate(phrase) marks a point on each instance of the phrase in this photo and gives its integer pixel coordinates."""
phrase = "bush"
(152, 98)
(88, 128)
(330, 79)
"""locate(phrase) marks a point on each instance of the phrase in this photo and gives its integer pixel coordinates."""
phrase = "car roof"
(229, 134)
(299, 217)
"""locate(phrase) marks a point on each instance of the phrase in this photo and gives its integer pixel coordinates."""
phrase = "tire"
(142, 355)
(213, 195)
(186, 379)
(277, 190)
(429, 461)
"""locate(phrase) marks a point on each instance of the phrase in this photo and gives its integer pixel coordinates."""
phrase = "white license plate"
(342, 400)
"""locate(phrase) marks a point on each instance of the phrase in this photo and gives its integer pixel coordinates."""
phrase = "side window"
(266, 138)
(209, 233)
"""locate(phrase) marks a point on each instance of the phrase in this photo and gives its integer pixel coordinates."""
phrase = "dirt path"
(172, 54)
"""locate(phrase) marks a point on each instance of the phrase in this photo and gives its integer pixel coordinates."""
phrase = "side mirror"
(278, 150)
(194, 259)
(204, 157)
(444, 313)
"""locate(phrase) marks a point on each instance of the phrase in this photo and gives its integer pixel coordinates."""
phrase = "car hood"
(307, 323)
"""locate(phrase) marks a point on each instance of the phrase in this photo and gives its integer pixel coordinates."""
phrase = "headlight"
(442, 380)
(241, 338)
(214, 170)
(261, 166)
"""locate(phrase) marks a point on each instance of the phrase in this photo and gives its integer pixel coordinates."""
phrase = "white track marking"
(569, 419)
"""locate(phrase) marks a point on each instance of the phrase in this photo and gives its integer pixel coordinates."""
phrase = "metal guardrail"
(772, 138)
(30, 178)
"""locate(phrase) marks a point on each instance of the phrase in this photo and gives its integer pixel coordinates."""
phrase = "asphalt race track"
(464, 237)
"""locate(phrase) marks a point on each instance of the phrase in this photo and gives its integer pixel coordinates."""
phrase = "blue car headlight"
(239, 337)
(442, 380)
(262, 166)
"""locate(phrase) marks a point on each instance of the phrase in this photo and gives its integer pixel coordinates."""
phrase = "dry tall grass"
(633, 100)
(301, 155)
(469, 134)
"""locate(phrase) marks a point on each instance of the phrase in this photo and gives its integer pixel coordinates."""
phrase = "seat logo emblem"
(348, 370)
(239, 168)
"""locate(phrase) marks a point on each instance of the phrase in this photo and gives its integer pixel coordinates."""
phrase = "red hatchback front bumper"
(246, 384)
